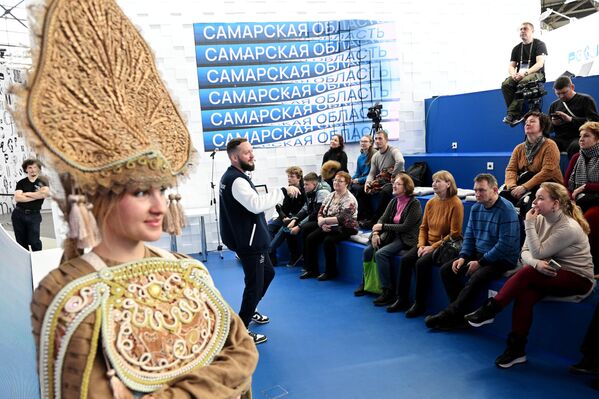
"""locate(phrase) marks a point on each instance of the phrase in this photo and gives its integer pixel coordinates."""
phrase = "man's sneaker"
(510, 357)
(483, 315)
(260, 318)
(446, 321)
(512, 120)
(258, 338)
(589, 364)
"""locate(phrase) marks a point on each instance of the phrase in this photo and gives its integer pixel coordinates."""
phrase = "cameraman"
(568, 113)
(523, 70)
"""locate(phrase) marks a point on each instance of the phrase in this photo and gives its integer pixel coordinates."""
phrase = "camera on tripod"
(374, 112)
(530, 90)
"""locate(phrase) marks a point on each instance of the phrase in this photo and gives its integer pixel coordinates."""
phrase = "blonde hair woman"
(557, 262)
(123, 320)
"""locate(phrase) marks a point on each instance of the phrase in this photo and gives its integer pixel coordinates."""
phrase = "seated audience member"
(568, 113)
(316, 191)
(491, 247)
(533, 162)
(337, 221)
(589, 364)
(582, 180)
(442, 223)
(527, 64)
(290, 206)
(328, 171)
(336, 153)
(557, 262)
(395, 231)
(359, 178)
(385, 164)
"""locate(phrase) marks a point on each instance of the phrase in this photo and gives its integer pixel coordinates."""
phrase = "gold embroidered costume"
(84, 369)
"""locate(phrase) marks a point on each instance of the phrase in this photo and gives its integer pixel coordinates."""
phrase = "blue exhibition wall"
(472, 123)
(473, 120)
(18, 377)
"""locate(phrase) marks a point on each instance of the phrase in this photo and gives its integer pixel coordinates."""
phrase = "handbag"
(381, 180)
(448, 251)
(372, 282)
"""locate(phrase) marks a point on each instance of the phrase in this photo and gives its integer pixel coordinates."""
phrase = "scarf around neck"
(586, 169)
(531, 149)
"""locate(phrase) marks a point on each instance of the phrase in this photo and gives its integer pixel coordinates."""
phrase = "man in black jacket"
(243, 228)
(568, 113)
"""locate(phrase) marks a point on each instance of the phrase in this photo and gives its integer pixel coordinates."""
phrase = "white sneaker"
(258, 338)
(260, 318)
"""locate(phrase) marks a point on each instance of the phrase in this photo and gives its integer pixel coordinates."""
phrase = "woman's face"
(532, 127)
(137, 216)
(587, 139)
(339, 184)
(544, 203)
(440, 186)
(365, 143)
(334, 142)
(398, 187)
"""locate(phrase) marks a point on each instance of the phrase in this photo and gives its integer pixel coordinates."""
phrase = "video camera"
(530, 90)
(374, 112)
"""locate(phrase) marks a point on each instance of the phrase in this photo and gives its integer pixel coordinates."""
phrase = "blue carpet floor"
(324, 343)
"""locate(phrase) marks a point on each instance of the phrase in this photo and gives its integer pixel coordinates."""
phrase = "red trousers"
(528, 286)
(592, 216)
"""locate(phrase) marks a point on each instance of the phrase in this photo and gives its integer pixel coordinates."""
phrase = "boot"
(398, 306)
(360, 290)
(514, 353)
(417, 309)
(386, 298)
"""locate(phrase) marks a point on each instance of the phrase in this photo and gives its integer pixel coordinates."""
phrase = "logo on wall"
(295, 83)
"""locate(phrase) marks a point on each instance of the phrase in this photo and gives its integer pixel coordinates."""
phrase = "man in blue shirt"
(491, 247)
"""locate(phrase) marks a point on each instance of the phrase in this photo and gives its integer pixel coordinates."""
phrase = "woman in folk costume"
(123, 320)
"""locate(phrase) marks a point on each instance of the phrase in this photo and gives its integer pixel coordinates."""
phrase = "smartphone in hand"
(554, 265)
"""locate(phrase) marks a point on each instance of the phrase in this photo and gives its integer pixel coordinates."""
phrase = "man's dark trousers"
(258, 273)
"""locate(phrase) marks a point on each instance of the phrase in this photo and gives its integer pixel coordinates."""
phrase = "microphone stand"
(219, 248)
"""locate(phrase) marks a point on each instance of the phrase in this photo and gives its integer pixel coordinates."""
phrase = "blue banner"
(295, 83)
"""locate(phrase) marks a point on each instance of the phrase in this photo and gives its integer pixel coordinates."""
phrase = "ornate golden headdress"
(96, 108)
(95, 105)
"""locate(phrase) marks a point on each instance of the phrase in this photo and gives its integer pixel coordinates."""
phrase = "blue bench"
(558, 327)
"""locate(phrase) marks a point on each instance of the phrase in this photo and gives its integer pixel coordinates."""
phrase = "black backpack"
(417, 172)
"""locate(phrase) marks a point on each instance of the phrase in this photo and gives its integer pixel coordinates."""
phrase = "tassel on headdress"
(181, 212)
(174, 219)
(82, 223)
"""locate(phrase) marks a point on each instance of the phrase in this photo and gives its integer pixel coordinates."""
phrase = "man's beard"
(246, 166)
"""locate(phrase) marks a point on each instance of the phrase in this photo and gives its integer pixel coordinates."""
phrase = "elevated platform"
(473, 120)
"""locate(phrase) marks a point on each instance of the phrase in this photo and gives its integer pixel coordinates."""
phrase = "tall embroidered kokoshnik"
(96, 106)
